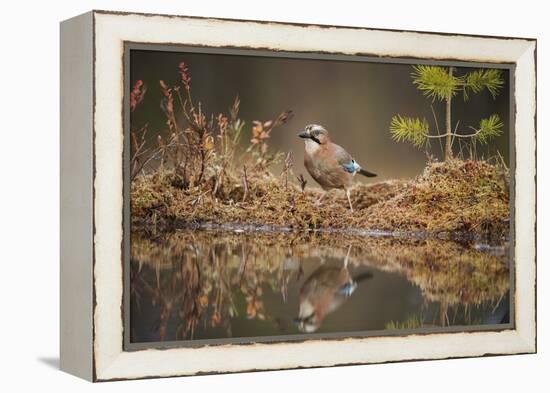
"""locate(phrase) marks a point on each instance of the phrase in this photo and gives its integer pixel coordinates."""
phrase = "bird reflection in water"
(323, 292)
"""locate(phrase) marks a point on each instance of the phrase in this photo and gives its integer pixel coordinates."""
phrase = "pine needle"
(435, 82)
(410, 129)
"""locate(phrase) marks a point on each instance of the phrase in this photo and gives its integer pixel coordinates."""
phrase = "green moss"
(201, 174)
(455, 196)
(452, 197)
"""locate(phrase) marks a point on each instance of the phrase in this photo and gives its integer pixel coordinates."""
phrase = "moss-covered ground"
(470, 198)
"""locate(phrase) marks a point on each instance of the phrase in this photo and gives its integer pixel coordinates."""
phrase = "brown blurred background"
(355, 101)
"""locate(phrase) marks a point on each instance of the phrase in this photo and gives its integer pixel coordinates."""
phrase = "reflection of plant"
(445, 316)
(254, 304)
(412, 322)
(199, 277)
(441, 83)
(194, 283)
(446, 272)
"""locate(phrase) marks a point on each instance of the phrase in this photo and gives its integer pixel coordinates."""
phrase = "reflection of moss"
(453, 197)
(445, 271)
(191, 275)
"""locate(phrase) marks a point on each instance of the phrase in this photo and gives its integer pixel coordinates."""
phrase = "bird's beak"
(304, 135)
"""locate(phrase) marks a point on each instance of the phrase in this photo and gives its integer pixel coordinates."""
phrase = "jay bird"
(328, 163)
(325, 290)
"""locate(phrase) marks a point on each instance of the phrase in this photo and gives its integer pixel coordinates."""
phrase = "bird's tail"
(367, 173)
(362, 277)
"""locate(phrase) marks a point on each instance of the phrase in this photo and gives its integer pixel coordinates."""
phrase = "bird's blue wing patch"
(350, 167)
(347, 289)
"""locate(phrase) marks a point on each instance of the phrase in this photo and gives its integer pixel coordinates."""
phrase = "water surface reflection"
(210, 284)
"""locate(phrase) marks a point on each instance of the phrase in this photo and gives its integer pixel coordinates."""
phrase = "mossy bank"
(453, 199)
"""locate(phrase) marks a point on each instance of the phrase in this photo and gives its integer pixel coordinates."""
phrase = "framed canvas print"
(245, 195)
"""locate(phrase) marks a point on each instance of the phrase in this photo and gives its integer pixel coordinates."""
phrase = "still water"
(193, 285)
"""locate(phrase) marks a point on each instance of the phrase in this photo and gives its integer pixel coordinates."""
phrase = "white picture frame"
(92, 193)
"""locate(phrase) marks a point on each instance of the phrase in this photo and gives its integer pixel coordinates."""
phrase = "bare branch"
(245, 183)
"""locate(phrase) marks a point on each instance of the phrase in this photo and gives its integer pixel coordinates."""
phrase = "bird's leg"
(346, 259)
(318, 201)
(348, 194)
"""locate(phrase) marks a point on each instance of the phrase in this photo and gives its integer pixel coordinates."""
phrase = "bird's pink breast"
(326, 170)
